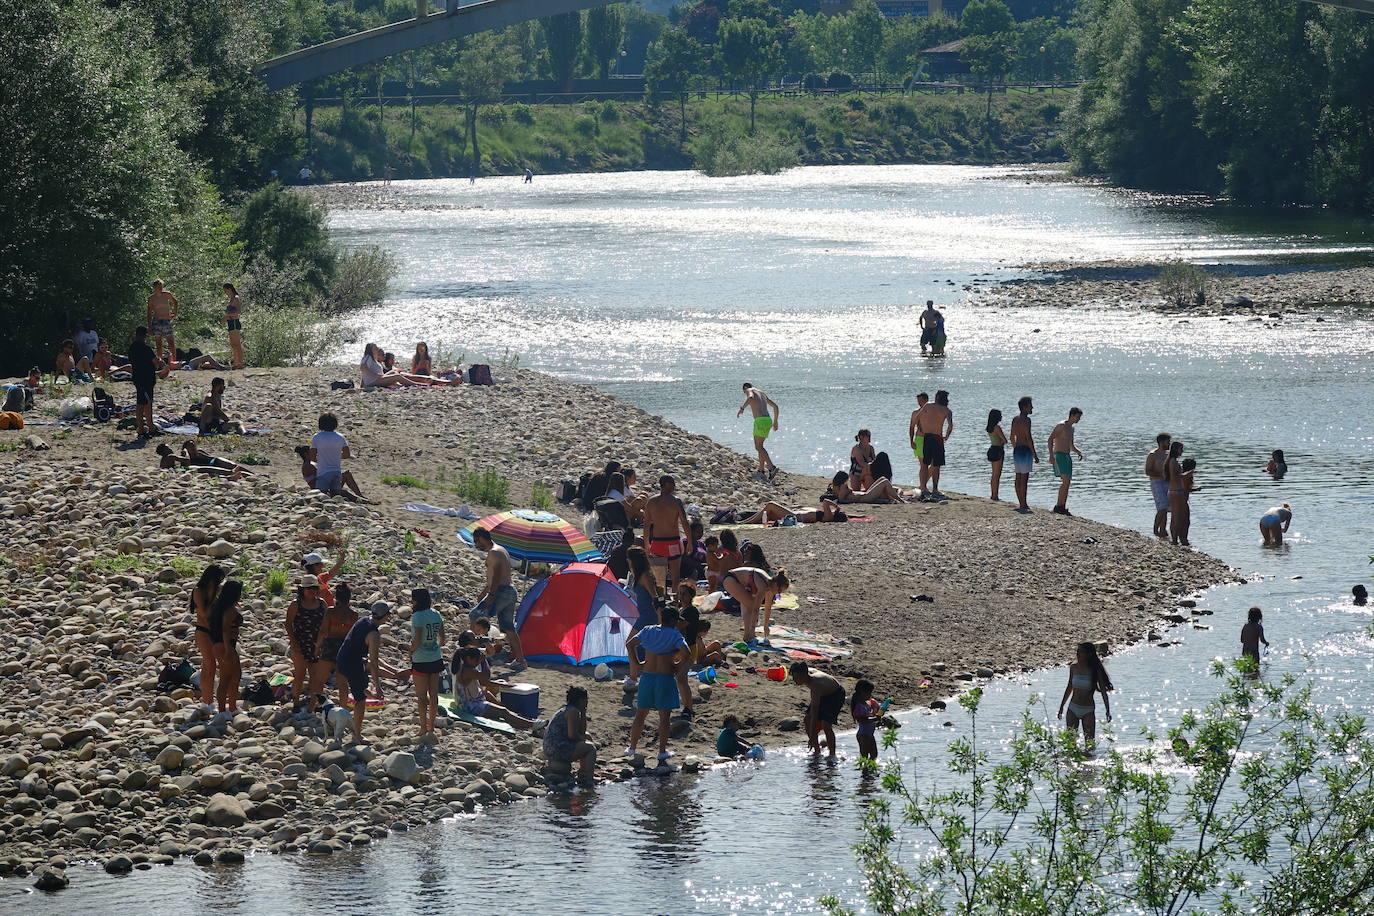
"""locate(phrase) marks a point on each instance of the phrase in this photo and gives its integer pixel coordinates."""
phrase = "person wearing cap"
(359, 652)
(304, 617)
(314, 565)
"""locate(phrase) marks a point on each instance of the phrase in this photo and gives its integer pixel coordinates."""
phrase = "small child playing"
(1252, 634)
(728, 742)
(481, 630)
(867, 713)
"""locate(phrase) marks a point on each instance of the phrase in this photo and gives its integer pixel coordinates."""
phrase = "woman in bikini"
(881, 491)
(420, 363)
(861, 459)
(338, 620)
(304, 618)
(233, 315)
(1086, 677)
(997, 451)
(1180, 485)
(828, 511)
(225, 623)
(755, 590)
(202, 600)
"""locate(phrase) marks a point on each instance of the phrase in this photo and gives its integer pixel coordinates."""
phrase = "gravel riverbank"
(98, 552)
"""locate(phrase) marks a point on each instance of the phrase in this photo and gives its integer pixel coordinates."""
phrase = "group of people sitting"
(378, 370)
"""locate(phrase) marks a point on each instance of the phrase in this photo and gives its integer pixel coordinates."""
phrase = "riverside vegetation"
(1260, 803)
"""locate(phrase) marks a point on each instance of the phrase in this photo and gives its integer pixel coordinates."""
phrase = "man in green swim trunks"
(759, 405)
(1061, 445)
(917, 441)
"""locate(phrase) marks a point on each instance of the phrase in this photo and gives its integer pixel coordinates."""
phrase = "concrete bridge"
(425, 29)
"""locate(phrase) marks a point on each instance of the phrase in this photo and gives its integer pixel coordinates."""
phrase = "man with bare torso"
(930, 324)
(665, 525)
(935, 424)
(665, 657)
(917, 441)
(1156, 464)
(1061, 445)
(162, 311)
(498, 596)
(759, 405)
(1023, 453)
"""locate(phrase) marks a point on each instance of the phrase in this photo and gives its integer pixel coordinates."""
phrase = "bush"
(361, 277)
(1260, 803)
(1182, 283)
(521, 113)
(586, 126)
(839, 80)
(541, 497)
(610, 114)
(287, 228)
(721, 152)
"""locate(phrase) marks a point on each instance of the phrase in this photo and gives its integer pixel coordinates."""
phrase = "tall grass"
(485, 488)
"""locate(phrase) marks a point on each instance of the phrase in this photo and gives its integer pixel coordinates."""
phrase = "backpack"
(174, 676)
(260, 694)
(565, 492)
(479, 374)
(341, 385)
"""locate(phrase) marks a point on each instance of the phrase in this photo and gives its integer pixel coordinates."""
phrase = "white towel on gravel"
(461, 512)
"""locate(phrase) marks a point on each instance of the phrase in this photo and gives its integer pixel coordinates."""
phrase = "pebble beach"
(99, 550)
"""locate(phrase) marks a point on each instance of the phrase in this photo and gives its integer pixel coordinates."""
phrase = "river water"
(670, 289)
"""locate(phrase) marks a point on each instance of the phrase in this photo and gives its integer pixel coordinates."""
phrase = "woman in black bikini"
(233, 312)
(861, 459)
(882, 491)
(829, 511)
(997, 451)
(202, 599)
(304, 617)
(755, 590)
(225, 622)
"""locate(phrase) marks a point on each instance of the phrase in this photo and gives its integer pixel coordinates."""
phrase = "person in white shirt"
(328, 448)
(87, 341)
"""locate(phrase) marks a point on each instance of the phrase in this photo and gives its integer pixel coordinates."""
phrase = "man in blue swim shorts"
(665, 654)
(1023, 453)
(1155, 464)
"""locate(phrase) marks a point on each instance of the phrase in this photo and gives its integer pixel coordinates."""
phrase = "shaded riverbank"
(98, 764)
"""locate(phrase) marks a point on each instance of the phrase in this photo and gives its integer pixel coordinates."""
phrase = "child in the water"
(1252, 634)
(867, 713)
(728, 742)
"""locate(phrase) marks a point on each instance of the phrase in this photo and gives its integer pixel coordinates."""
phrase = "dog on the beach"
(336, 718)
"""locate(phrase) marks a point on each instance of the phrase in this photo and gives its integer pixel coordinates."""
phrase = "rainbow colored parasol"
(539, 537)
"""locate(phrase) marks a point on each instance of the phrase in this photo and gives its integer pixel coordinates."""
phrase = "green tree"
(987, 17)
(864, 27)
(748, 52)
(674, 61)
(98, 197)
(291, 232)
(562, 45)
(605, 31)
(480, 71)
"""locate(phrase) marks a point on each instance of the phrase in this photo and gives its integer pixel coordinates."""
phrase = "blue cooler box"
(521, 699)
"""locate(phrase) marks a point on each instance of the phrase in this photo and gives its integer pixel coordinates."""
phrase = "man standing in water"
(935, 425)
(917, 442)
(665, 656)
(500, 593)
(759, 405)
(1156, 463)
(1061, 445)
(665, 525)
(162, 311)
(931, 320)
(1023, 453)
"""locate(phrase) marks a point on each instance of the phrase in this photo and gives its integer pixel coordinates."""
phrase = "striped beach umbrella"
(539, 537)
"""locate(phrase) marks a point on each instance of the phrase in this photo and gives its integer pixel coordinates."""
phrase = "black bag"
(174, 676)
(341, 385)
(565, 492)
(479, 374)
(260, 694)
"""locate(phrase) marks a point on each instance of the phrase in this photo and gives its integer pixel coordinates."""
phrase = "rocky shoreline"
(99, 551)
(1259, 293)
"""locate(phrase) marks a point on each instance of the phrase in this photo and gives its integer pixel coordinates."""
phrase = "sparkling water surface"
(669, 289)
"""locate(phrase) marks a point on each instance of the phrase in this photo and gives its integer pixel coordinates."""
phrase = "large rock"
(49, 878)
(225, 811)
(401, 765)
(220, 549)
(170, 757)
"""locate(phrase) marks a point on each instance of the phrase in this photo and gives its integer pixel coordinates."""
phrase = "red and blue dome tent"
(579, 615)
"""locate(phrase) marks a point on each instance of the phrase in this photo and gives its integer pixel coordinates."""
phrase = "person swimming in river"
(1277, 466)
(1086, 677)
(1252, 634)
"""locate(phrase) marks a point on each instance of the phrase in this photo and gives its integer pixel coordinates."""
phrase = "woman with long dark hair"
(997, 451)
(233, 314)
(1086, 677)
(225, 623)
(202, 599)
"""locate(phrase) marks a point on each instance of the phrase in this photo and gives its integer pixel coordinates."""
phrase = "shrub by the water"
(720, 152)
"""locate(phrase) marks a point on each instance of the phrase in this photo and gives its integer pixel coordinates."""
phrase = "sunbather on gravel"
(829, 511)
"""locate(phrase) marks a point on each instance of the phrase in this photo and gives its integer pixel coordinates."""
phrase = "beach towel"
(190, 429)
(464, 512)
(372, 703)
(447, 701)
(814, 646)
(787, 602)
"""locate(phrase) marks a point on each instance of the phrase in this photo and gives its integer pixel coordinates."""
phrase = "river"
(670, 289)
